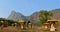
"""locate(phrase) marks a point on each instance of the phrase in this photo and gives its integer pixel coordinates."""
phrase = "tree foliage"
(44, 15)
(10, 22)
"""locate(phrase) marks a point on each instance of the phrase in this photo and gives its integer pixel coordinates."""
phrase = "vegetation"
(10, 22)
(2, 19)
(59, 23)
(44, 16)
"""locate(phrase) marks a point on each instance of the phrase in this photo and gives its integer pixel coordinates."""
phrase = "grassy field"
(18, 29)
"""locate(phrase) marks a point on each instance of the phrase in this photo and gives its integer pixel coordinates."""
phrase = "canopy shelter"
(53, 24)
(22, 23)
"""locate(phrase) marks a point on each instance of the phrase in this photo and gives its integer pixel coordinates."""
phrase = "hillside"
(56, 13)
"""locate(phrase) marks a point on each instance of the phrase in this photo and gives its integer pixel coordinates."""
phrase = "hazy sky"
(26, 7)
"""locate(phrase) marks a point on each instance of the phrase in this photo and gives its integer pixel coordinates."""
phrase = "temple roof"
(21, 20)
(46, 23)
(54, 20)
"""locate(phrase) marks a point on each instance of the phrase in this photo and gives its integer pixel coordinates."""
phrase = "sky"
(26, 7)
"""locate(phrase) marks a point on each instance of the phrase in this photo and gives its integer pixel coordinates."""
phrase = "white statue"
(52, 28)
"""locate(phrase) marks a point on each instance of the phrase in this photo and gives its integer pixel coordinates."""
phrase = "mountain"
(56, 13)
(16, 16)
(34, 18)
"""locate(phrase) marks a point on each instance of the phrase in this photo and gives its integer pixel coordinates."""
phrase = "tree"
(44, 15)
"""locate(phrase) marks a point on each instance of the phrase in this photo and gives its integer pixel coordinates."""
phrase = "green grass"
(59, 23)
